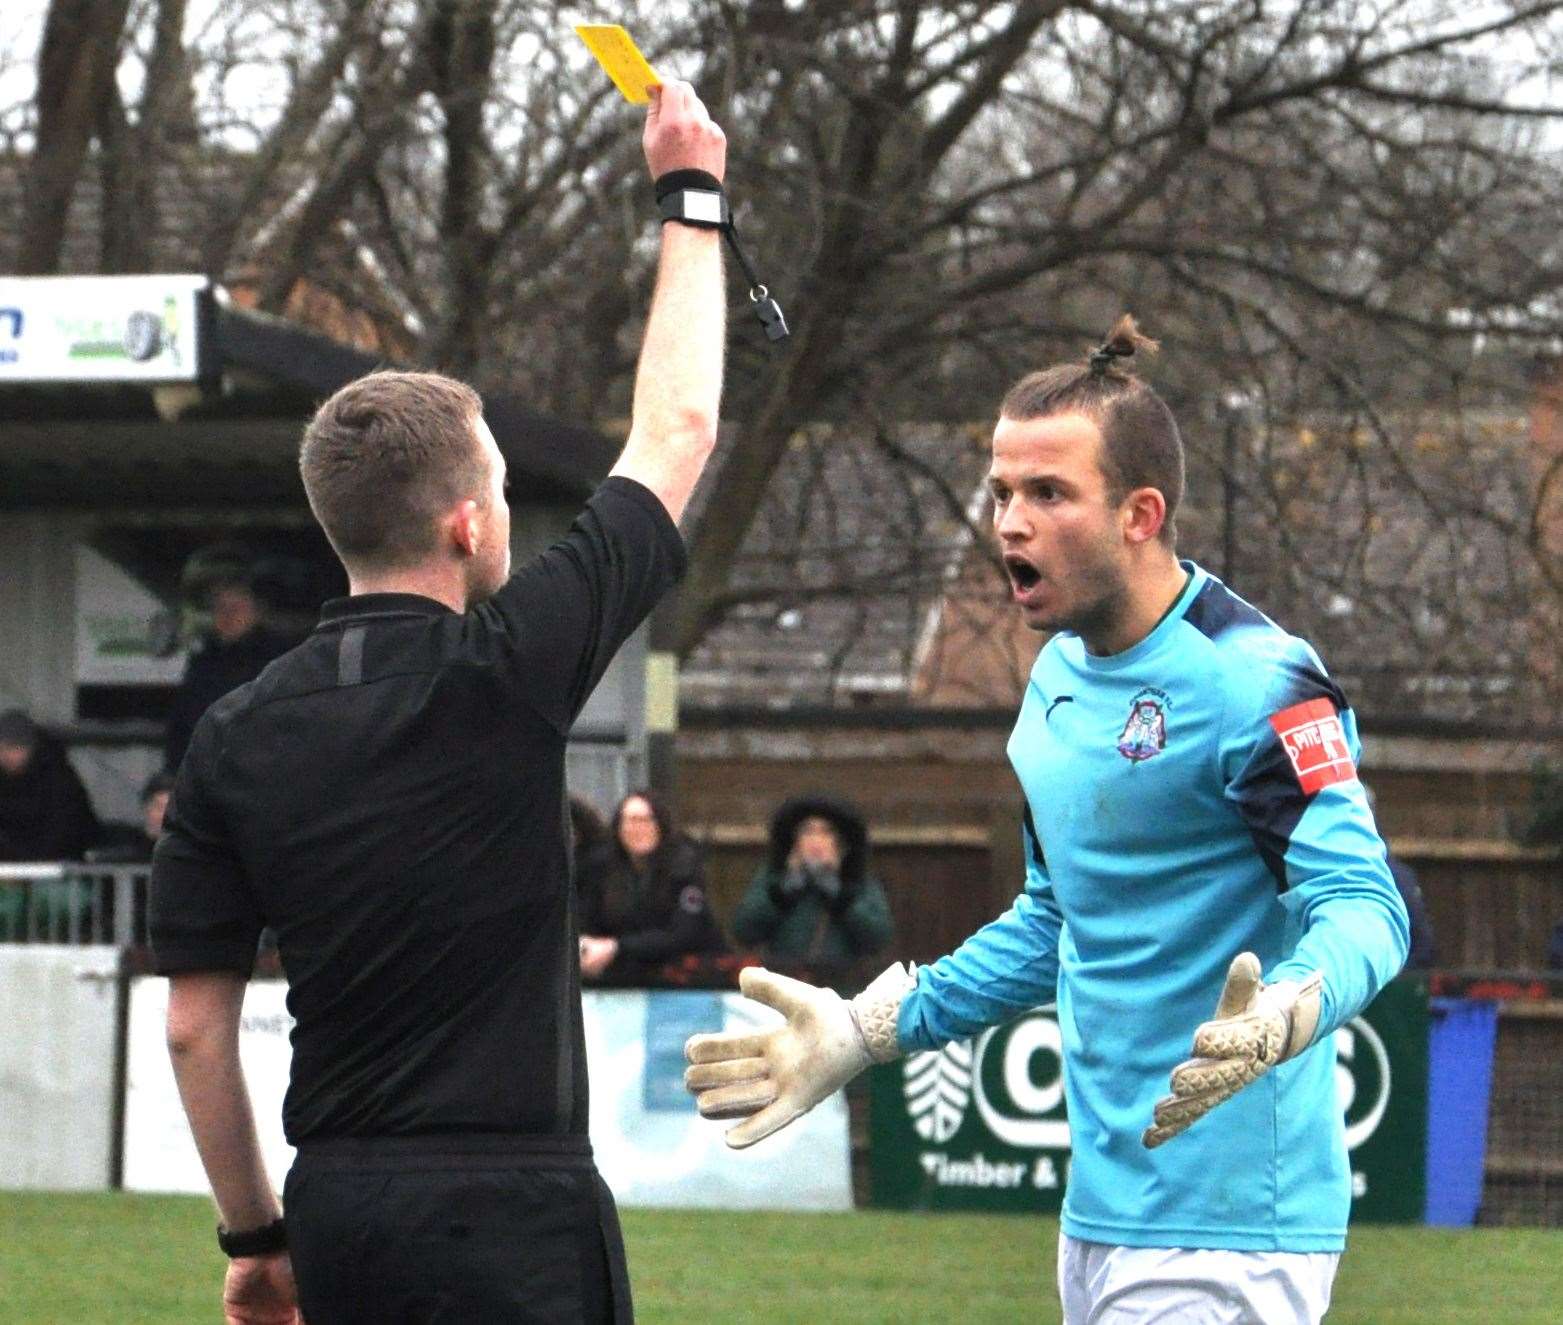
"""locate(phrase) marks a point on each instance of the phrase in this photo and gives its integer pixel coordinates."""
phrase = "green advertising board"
(981, 1125)
(1381, 1078)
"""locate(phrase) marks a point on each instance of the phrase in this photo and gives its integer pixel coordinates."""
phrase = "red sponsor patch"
(1315, 742)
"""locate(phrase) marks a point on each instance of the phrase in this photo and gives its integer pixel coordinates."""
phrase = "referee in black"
(389, 798)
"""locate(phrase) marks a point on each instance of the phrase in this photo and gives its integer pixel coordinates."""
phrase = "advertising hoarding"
(652, 1147)
(982, 1124)
(101, 328)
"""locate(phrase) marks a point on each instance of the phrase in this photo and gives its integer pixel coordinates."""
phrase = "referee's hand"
(259, 1290)
(680, 133)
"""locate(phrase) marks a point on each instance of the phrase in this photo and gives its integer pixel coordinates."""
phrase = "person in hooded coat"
(813, 903)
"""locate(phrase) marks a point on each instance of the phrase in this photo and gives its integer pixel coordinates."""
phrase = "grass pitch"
(140, 1260)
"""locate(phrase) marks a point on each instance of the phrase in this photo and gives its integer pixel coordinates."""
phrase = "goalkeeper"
(1206, 895)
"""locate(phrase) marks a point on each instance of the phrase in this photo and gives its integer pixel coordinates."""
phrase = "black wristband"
(675, 180)
(267, 1240)
(714, 213)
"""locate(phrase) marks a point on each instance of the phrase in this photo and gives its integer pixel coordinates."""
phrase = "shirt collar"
(1197, 579)
(381, 604)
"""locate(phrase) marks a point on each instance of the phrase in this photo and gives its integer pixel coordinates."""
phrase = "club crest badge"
(1145, 733)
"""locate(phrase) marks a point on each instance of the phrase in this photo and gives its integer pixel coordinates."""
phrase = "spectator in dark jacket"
(643, 897)
(45, 813)
(813, 903)
(235, 651)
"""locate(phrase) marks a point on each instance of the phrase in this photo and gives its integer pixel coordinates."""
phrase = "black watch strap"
(264, 1241)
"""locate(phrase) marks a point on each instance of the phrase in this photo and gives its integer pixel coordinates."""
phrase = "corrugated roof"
(95, 448)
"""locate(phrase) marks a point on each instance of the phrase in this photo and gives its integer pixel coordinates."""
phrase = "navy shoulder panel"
(1301, 679)
(1033, 842)
(1267, 791)
(1293, 671)
(1277, 670)
(1216, 610)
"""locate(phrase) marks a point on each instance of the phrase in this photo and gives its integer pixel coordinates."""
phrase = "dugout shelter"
(145, 420)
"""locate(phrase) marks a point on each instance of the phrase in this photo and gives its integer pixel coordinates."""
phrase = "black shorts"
(452, 1230)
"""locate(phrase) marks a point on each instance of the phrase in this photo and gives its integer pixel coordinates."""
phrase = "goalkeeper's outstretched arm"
(770, 1078)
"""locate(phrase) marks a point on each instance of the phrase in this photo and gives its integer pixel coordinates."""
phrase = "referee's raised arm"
(678, 384)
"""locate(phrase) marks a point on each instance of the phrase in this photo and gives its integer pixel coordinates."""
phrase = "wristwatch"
(266, 1240)
(705, 208)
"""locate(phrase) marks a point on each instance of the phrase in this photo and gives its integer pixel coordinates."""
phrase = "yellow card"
(617, 53)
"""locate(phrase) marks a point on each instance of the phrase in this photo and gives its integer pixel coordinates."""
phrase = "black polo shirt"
(389, 798)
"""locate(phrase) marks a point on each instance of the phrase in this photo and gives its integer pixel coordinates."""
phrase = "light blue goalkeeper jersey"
(1188, 799)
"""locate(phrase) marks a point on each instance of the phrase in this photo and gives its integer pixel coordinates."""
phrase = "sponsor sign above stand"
(982, 1125)
(103, 328)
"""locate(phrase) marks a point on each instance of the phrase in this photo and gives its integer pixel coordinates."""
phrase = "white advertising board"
(99, 328)
(57, 1066)
(652, 1147)
(160, 1155)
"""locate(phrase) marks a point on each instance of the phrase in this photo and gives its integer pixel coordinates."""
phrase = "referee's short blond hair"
(385, 457)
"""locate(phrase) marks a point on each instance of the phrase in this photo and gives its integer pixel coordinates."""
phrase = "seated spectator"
(813, 903)
(236, 650)
(45, 813)
(643, 897)
(133, 844)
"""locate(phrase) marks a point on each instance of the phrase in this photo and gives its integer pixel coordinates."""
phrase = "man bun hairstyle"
(1141, 445)
(1121, 343)
(384, 458)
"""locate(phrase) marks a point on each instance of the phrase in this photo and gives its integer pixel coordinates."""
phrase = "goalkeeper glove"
(771, 1077)
(1256, 1026)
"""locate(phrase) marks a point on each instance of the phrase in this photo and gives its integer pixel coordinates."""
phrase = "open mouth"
(1023, 575)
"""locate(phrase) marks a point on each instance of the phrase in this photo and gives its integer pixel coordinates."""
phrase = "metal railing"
(67, 902)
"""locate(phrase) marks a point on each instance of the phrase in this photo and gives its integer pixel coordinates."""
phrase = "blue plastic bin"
(1461, 1040)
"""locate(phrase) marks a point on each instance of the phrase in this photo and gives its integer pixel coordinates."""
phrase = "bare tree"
(76, 64)
(1337, 217)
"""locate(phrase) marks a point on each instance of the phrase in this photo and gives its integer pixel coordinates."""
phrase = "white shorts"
(1105, 1285)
